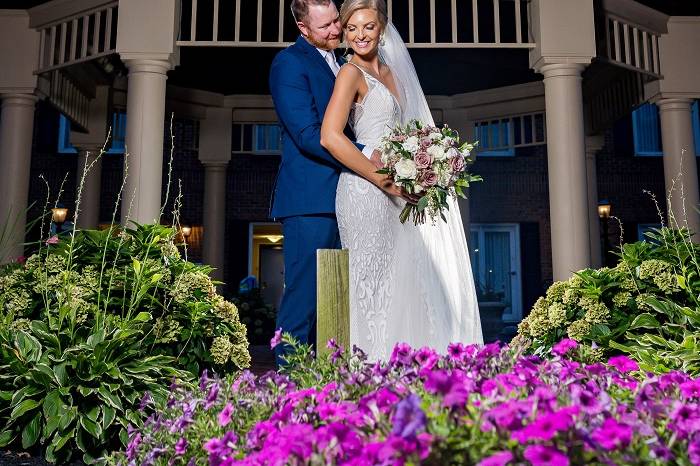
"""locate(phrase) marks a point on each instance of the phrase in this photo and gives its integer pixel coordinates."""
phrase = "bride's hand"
(387, 185)
(376, 159)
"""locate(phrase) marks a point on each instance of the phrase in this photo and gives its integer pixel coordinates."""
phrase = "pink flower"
(225, 415)
(613, 435)
(564, 346)
(276, 339)
(429, 178)
(425, 143)
(691, 389)
(423, 160)
(547, 426)
(539, 455)
(499, 459)
(52, 240)
(21, 260)
(623, 364)
(181, 447)
(457, 163)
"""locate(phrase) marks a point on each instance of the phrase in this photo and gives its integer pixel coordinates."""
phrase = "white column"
(16, 131)
(214, 216)
(568, 191)
(145, 120)
(90, 193)
(593, 145)
(680, 167)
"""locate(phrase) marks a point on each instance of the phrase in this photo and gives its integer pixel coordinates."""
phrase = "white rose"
(406, 169)
(437, 152)
(452, 152)
(435, 136)
(444, 178)
(411, 144)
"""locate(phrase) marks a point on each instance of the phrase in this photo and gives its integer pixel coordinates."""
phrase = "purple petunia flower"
(204, 380)
(547, 426)
(564, 346)
(694, 450)
(181, 447)
(219, 449)
(145, 401)
(623, 364)
(212, 396)
(409, 418)
(540, 455)
(613, 435)
(691, 389)
(276, 339)
(402, 355)
(499, 459)
(224, 417)
(453, 387)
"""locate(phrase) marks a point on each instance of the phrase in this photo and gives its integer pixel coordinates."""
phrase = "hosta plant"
(647, 306)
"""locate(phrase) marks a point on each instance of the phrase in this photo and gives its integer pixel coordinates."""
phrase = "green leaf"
(93, 413)
(59, 440)
(422, 203)
(52, 404)
(60, 374)
(6, 437)
(67, 418)
(137, 266)
(644, 320)
(110, 398)
(24, 392)
(24, 407)
(90, 427)
(108, 416)
(30, 433)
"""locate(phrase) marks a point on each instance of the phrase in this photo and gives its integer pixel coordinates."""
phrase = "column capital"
(215, 166)
(594, 144)
(26, 99)
(553, 70)
(138, 63)
(674, 103)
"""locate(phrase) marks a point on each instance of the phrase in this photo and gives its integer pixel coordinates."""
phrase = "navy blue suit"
(301, 84)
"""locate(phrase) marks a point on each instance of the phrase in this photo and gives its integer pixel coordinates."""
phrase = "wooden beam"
(333, 298)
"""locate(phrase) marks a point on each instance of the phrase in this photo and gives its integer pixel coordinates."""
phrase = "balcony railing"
(423, 24)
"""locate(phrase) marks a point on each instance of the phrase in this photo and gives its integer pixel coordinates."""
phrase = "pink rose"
(429, 178)
(457, 164)
(425, 143)
(423, 160)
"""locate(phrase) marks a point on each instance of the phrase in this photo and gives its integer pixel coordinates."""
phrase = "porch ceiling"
(442, 72)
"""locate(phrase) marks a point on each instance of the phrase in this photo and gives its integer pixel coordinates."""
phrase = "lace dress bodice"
(376, 115)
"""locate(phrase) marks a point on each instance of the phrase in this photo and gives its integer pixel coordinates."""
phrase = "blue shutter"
(490, 135)
(64, 145)
(646, 131)
(118, 133)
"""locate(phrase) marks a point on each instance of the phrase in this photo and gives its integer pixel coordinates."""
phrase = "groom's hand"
(387, 185)
(376, 159)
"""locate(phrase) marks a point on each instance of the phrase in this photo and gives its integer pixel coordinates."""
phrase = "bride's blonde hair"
(351, 6)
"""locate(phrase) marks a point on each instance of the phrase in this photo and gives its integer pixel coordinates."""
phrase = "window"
(646, 131)
(494, 138)
(118, 137)
(257, 138)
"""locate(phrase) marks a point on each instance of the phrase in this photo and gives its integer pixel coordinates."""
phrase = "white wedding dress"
(407, 283)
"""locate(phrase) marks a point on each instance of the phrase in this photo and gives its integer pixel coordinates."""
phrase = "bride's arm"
(333, 137)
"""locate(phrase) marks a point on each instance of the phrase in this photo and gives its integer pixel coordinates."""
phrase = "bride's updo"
(351, 6)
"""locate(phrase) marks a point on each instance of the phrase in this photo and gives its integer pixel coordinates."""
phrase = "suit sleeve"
(296, 108)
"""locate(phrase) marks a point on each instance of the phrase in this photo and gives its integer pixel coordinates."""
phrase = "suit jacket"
(301, 84)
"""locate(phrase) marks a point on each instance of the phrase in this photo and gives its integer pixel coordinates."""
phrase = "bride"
(407, 283)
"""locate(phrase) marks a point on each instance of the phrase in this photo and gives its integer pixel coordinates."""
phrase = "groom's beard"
(324, 44)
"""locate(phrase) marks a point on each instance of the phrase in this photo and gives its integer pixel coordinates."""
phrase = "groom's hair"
(300, 8)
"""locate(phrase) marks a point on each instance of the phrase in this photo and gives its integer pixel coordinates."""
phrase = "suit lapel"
(314, 56)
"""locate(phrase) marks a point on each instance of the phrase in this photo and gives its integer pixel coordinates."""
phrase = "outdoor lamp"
(604, 209)
(186, 231)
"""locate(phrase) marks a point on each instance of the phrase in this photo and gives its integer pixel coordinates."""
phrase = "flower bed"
(486, 405)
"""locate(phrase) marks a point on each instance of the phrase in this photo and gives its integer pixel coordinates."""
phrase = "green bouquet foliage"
(94, 321)
(648, 306)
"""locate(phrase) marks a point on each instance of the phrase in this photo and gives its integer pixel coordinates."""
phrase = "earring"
(381, 40)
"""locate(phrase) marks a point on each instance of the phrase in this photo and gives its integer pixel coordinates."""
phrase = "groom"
(301, 83)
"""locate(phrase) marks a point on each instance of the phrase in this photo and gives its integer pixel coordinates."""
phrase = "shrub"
(646, 306)
(488, 405)
(258, 316)
(95, 320)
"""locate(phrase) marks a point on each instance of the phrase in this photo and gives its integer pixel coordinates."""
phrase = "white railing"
(510, 132)
(269, 23)
(632, 46)
(66, 96)
(78, 37)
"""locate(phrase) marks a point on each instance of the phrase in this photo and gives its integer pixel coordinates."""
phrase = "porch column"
(593, 145)
(214, 216)
(568, 190)
(90, 193)
(215, 133)
(16, 130)
(145, 120)
(680, 167)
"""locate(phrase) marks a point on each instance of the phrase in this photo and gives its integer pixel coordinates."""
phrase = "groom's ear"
(303, 28)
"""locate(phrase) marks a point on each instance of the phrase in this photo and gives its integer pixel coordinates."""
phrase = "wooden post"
(332, 298)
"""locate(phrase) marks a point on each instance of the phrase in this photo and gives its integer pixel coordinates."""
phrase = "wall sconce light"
(604, 209)
(274, 238)
(186, 231)
(58, 217)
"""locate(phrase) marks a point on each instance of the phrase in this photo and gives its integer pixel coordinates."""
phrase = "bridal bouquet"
(429, 162)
